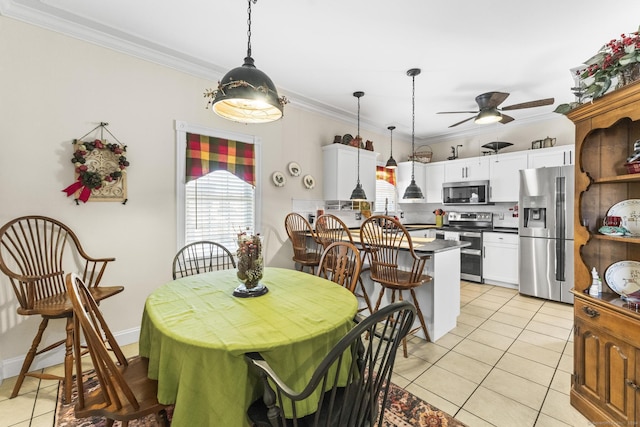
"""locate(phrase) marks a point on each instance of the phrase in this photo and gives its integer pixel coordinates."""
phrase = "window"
(386, 193)
(217, 205)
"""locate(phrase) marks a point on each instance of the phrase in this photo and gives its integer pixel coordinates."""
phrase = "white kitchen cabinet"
(340, 171)
(500, 259)
(561, 155)
(403, 179)
(504, 176)
(471, 169)
(434, 177)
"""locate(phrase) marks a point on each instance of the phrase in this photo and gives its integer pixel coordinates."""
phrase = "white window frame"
(182, 128)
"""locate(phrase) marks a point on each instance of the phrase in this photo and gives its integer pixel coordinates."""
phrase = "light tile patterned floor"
(508, 363)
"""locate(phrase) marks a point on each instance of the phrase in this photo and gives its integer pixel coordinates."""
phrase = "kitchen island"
(439, 299)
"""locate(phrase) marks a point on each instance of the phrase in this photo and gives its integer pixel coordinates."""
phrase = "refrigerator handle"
(560, 200)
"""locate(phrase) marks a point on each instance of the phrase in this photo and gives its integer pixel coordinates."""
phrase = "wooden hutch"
(606, 379)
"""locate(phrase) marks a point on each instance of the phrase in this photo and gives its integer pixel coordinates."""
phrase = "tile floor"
(507, 363)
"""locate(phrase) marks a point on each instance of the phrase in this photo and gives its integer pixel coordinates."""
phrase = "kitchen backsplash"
(412, 213)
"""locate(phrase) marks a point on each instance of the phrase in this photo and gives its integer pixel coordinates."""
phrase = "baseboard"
(11, 367)
(499, 283)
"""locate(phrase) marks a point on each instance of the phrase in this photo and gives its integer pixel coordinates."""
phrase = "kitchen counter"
(439, 299)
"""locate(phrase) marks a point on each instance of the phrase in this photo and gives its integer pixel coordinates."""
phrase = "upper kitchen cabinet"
(562, 155)
(471, 169)
(403, 179)
(504, 176)
(434, 175)
(340, 171)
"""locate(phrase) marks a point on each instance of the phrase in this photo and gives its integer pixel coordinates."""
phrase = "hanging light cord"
(359, 142)
(413, 126)
(249, 29)
(391, 152)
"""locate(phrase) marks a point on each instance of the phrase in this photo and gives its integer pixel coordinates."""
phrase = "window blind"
(218, 206)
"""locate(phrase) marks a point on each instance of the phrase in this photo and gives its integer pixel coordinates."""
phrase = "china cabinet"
(606, 379)
(340, 171)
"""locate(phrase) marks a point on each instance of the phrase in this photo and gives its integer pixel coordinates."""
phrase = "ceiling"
(318, 52)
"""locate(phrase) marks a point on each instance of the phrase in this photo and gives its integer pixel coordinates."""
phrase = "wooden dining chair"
(306, 247)
(341, 263)
(35, 252)
(355, 376)
(330, 229)
(201, 257)
(385, 238)
(124, 391)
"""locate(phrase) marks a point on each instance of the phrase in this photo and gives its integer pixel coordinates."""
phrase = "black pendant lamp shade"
(413, 191)
(358, 192)
(246, 94)
(391, 163)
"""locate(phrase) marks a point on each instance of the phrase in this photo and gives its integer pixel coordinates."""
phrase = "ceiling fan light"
(487, 117)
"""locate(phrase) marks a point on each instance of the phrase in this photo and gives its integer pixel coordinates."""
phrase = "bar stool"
(299, 230)
(384, 238)
(330, 229)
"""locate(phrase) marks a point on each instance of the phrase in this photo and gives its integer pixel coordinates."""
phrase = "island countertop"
(437, 245)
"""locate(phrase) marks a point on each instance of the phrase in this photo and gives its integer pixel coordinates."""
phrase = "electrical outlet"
(401, 214)
(501, 215)
(358, 216)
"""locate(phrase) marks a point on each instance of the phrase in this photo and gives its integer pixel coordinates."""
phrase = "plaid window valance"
(206, 154)
(386, 174)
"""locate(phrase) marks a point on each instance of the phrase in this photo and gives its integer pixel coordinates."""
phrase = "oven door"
(471, 256)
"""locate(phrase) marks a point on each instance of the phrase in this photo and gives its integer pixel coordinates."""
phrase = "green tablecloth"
(195, 334)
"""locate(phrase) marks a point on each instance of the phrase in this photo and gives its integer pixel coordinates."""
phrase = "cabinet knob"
(590, 312)
(632, 384)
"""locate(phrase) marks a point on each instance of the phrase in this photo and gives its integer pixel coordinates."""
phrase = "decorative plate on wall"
(309, 182)
(294, 169)
(278, 179)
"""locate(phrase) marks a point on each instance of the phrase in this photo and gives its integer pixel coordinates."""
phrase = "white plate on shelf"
(629, 211)
(623, 277)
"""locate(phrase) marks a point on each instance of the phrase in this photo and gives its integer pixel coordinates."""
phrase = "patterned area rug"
(403, 409)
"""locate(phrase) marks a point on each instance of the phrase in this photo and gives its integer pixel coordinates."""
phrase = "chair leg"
(31, 354)
(68, 361)
(404, 339)
(420, 317)
(365, 296)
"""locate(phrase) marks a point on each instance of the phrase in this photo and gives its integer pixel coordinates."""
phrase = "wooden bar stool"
(299, 231)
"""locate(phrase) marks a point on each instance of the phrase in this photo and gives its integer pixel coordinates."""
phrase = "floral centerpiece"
(250, 261)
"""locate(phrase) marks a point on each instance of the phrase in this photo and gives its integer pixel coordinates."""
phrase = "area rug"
(403, 409)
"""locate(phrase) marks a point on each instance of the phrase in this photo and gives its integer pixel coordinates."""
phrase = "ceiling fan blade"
(530, 104)
(506, 119)
(456, 112)
(491, 99)
(465, 120)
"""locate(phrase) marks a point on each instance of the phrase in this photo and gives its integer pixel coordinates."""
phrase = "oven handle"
(470, 234)
(476, 252)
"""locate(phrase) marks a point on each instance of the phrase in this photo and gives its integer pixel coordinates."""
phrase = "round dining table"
(195, 334)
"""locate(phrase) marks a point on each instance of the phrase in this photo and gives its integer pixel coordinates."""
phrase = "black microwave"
(466, 193)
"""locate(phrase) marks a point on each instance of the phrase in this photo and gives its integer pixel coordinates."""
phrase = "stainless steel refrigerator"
(546, 233)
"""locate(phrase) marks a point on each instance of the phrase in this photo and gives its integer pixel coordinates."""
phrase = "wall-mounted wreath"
(100, 168)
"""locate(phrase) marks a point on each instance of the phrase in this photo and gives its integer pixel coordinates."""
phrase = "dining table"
(195, 333)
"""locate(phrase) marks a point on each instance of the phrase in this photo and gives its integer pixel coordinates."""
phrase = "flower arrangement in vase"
(250, 265)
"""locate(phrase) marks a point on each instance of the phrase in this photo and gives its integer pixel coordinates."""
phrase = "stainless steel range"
(468, 227)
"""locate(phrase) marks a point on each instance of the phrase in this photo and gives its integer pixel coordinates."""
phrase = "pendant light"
(391, 163)
(358, 192)
(246, 94)
(413, 191)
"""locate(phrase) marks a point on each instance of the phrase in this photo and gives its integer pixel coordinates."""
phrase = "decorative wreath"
(88, 179)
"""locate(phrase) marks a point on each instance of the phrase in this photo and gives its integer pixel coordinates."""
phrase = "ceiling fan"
(488, 111)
